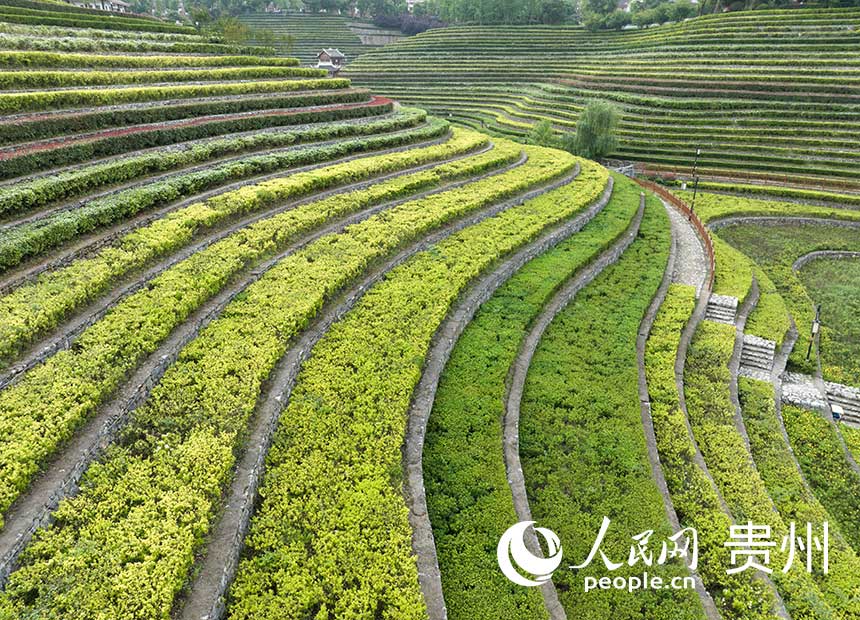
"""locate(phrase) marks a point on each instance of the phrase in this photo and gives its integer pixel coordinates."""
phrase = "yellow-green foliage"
(693, 496)
(166, 475)
(712, 418)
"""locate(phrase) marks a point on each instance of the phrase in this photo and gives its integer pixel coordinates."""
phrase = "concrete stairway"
(758, 353)
(846, 397)
(722, 308)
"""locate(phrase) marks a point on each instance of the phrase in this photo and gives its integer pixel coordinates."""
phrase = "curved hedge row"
(99, 360)
(338, 444)
(582, 444)
(100, 20)
(36, 237)
(73, 151)
(680, 87)
(24, 102)
(694, 496)
(34, 307)
(33, 238)
(60, 79)
(172, 460)
(463, 443)
(22, 42)
(62, 7)
(825, 465)
(712, 418)
(781, 474)
(23, 59)
(40, 126)
(27, 195)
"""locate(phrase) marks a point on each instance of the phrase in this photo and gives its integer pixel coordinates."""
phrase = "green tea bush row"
(349, 467)
(50, 125)
(116, 142)
(185, 437)
(42, 191)
(11, 103)
(851, 435)
(734, 271)
(795, 502)
(826, 467)
(770, 318)
(712, 418)
(694, 498)
(580, 397)
(782, 192)
(19, 42)
(60, 79)
(37, 306)
(172, 189)
(99, 359)
(38, 236)
(716, 206)
(107, 22)
(25, 60)
(62, 7)
(464, 439)
(92, 33)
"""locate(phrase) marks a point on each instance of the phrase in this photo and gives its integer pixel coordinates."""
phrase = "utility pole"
(816, 325)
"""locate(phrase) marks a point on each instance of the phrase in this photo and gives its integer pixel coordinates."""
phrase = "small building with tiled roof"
(331, 60)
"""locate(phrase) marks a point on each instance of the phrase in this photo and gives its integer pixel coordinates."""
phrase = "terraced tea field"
(274, 346)
(311, 33)
(767, 95)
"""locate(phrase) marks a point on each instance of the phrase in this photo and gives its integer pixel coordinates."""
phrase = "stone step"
(720, 312)
(848, 405)
(845, 397)
(755, 354)
(761, 364)
(757, 348)
(722, 317)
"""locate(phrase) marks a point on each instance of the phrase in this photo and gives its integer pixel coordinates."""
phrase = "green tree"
(595, 131)
(542, 134)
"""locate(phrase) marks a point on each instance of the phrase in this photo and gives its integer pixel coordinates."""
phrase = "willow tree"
(595, 130)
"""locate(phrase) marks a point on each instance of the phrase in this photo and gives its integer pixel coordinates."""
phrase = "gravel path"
(60, 479)
(645, 326)
(217, 569)
(691, 265)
